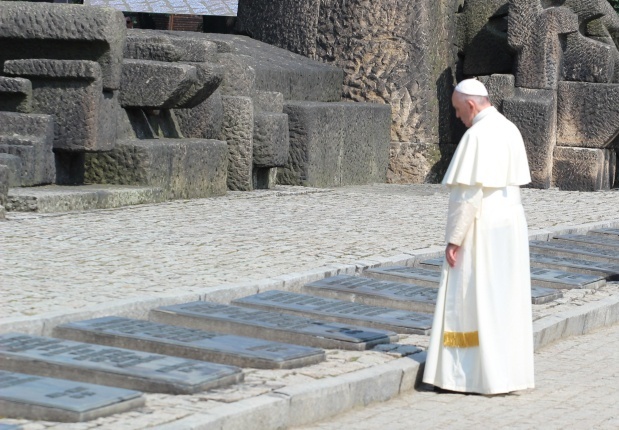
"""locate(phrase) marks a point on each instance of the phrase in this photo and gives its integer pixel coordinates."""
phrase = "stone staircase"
(97, 367)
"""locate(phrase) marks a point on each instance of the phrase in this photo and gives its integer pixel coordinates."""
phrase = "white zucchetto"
(472, 87)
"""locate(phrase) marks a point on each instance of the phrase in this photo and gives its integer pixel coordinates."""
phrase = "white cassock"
(482, 336)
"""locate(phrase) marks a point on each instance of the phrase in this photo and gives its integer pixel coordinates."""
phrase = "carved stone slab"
(541, 295)
(603, 242)
(559, 279)
(272, 326)
(373, 292)
(190, 343)
(608, 270)
(38, 398)
(115, 367)
(341, 311)
(574, 251)
(411, 275)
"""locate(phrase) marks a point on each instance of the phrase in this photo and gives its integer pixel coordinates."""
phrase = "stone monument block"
(71, 91)
(271, 139)
(209, 77)
(28, 140)
(412, 275)
(534, 34)
(185, 168)
(534, 113)
(64, 32)
(587, 60)
(277, 70)
(268, 101)
(587, 114)
(4, 187)
(196, 47)
(49, 399)
(333, 144)
(240, 77)
(203, 121)
(418, 163)
(583, 169)
(582, 252)
(155, 84)
(482, 30)
(238, 131)
(15, 94)
(500, 87)
(149, 46)
(289, 25)
(608, 270)
(603, 242)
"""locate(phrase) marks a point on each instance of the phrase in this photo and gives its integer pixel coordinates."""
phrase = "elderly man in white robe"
(482, 336)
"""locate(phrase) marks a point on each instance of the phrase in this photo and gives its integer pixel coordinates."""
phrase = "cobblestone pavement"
(61, 262)
(576, 388)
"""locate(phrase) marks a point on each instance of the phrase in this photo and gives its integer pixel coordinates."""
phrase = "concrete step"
(594, 241)
(58, 198)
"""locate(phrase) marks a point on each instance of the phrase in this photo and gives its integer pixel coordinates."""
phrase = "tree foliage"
(614, 4)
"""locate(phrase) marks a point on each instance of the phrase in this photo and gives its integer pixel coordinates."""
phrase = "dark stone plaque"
(559, 279)
(612, 232)
(272, 325)
(541, 295)
(9, 427)
(609, 270)
(339, 310)
(39, 398)
(190, 343)
(374, 292)
(116, 367)
(412, 275)
(574, 251)
(604, 242)
(432, 263)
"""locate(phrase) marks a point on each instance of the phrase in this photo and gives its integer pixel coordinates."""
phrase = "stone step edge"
(304, 404)
(43, 325)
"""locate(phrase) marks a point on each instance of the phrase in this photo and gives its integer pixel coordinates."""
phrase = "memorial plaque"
(341, 311)
(612, 232)
(117, 367)
(574, 251)
(272, 326)
(599, 268)
(49, 399)
(541, 295)
(373, 292)
(559, 279)
(432, 263)
(412, 275)
(190, 343)
(603, 242)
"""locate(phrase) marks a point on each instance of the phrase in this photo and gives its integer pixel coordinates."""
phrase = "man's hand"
(451, 254)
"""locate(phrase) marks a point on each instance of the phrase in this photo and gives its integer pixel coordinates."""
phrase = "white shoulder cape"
(490, 154)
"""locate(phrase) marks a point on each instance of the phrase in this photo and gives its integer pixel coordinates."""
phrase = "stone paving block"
(238, 132)
(587, 114)
(271, 326)
(50, 399)
(16, 94)
(583, 169)
(271, 139)
(78, 32)
(30, 138)
(482, 28)
(534, 113)
(204, 121)
(339, 311)
(185, 168)
(155, 84)
(289, 25)
(191, 343)
(333, 144)
(115, 367)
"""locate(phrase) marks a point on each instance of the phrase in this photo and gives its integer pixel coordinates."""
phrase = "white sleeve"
(464, 205)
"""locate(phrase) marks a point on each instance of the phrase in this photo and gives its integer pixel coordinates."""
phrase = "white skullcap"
(472, 87)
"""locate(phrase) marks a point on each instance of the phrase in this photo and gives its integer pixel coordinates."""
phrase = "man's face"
(464, 109)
